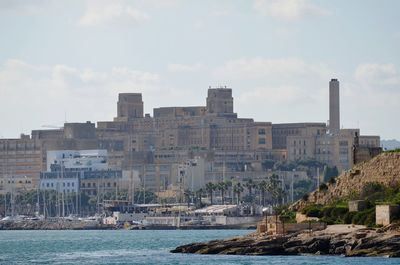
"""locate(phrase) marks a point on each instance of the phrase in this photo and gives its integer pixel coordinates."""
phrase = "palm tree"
(199, 193)
(250, 185)
(262, 187)
(228, 184)
(188, 194)
(210, 188)
(223, 187)
(275, 189)
(238, 189)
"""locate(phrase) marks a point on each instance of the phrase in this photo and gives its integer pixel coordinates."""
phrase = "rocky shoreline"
(345, 240)
(44, 225)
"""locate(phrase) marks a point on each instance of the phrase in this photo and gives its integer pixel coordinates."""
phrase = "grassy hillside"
(376, 181)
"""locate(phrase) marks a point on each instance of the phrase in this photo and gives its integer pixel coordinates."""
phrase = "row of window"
(300, 142)
(65, 184)
(20, 182)
(299, 151)
(93, 185)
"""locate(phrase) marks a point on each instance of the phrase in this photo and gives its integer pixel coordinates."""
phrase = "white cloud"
(274, 95)
(199, 25)
(370, 99)
(288, 10)
(101, 13)
(18, 7)
(177, 68)
(40, 94)
(372, 74)
(291, 86)
(282, 69)
(162, 3)
(221, 12)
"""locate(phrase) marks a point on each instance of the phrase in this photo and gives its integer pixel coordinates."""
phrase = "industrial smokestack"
(334, 107)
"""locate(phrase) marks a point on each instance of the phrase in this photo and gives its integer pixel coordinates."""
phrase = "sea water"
(139, 247)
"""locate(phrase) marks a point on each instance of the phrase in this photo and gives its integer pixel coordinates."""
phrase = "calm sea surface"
(137, 247)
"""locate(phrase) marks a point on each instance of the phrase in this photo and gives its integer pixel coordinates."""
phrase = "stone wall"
(357, 205)
(285, 228)
(385, 213)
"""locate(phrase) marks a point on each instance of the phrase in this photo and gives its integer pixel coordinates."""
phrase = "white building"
(78, 159)
(67, 182)
(66, 169)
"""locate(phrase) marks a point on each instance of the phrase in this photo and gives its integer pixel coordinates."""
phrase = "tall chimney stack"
(334, 107)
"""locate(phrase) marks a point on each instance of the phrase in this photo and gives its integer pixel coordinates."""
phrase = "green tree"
(210, 188)
(199, 194)
(222, 187)
(275, 189)
(262, 187)
(238, 189)
(188, 195)
(249, 186)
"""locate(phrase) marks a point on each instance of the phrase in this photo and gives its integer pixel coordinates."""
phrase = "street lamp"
(265, 213)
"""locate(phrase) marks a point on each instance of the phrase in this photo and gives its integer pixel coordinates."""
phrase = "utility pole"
(291, 185)
(191, 174)
(12, 196)
(62, 194)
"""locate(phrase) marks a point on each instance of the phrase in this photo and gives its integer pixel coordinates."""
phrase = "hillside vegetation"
(376, 181)
(384, 169)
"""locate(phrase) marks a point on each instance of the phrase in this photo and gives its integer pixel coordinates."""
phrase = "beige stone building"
(231, 147)
(333, 147)
(19, 159)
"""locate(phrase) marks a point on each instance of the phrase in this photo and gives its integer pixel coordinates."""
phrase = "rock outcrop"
(356, 242)
(383, 169)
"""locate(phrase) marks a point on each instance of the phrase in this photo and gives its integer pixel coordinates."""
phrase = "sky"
(68, 60)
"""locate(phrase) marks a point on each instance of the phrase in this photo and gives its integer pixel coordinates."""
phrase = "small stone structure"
(385, 214)
(273, 226)
(357, 205)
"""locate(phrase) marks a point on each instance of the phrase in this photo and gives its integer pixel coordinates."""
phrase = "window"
(261, 141)
(261, 131)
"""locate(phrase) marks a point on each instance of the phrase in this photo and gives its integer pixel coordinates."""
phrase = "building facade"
(155, 146)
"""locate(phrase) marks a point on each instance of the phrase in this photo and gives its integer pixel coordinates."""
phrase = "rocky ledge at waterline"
(335, 240)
